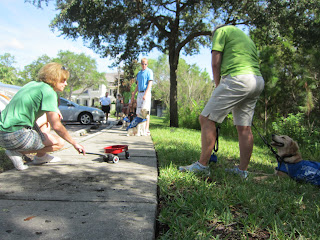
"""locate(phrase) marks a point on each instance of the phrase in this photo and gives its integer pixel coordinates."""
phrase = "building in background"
(91, 96)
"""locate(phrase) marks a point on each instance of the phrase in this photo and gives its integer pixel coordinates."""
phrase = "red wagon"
(114, 150)
(112, 153)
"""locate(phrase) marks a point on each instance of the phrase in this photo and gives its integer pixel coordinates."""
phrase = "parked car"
(72, 112)
(7, 91)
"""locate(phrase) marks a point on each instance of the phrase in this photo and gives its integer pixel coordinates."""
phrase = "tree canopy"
(124, 29)
(8, 74)
(82, 68)
(83, 71)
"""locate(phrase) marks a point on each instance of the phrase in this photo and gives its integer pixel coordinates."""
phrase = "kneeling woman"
(36, 102)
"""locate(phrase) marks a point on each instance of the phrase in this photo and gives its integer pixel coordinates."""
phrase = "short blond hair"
(52, 73)
(144, 60)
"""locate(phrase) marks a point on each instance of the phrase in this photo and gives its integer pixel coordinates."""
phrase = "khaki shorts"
(238, 94)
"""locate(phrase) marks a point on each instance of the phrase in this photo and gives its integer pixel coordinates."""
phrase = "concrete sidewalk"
(83, 197)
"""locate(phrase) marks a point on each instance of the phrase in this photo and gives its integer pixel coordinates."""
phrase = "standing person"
(119, 105)
(144, 85)
(35, 100)
(132, 107)
(239, 83)
(105, 102)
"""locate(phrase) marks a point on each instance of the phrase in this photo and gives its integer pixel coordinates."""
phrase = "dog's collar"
(286, 156)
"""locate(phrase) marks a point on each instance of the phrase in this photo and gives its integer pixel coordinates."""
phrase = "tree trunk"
(173, 62)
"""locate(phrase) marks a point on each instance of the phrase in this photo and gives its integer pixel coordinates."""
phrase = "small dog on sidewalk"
(293, 165)
(139, 130)
(127, 120)
(137, 126)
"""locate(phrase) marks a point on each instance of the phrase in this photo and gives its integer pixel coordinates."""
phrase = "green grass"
(223, 206)
(5, 163)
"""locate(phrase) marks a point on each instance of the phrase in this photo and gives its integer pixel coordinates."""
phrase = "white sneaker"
(195, 167)
(16, 159)
(237, 171)
(45, 159)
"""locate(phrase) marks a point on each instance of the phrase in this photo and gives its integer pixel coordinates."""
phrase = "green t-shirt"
(29, 103)
(239, 54)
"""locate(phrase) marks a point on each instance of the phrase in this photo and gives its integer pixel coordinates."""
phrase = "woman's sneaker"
(45, 159)
(237, 171)
(194, 167)
(16, 159)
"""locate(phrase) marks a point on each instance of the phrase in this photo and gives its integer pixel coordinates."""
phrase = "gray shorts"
(238, 94)
(23, 140)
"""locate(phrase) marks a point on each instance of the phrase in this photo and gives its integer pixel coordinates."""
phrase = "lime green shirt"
(239, 54)
(29, 103)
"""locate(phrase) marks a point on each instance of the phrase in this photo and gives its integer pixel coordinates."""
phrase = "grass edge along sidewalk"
(222, 205)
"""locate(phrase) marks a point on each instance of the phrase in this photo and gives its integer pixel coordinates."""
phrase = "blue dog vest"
(135, 122)
(307, 171)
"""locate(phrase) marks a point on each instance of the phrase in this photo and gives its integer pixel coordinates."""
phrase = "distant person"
(36, 101)
(105, 103)
(144, 85)
(119, 106)
(239, 83)
(132, 106)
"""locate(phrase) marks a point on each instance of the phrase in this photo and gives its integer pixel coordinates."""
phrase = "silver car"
(72, 112)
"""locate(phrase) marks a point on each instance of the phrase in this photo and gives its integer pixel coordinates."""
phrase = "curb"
(86, 130)
(82, 132)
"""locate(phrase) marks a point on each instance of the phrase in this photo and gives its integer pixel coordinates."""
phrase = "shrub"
(189, 115)
(296, 127)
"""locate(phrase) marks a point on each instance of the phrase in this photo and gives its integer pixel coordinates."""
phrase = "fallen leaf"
(29, 218)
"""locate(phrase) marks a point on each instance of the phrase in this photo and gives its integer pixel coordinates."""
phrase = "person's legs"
(129, 109)
(106, 110)
(51, 142)
(26, 141)
(246, 146)
(208, 138)
(148, 123)
(139, 104)
(144, 109)
(107, 115)
(243, 115)
(45, 127)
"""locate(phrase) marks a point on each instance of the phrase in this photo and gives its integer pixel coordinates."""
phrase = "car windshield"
(64, 102)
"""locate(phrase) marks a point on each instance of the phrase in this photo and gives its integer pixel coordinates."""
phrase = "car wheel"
(85, 118)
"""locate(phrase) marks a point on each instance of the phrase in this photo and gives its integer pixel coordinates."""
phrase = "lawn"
(222, 205)
(5, 163)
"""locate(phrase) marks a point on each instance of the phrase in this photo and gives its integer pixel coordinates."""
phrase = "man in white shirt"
(105, 103)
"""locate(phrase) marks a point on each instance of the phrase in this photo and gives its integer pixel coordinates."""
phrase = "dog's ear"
(294, 147)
